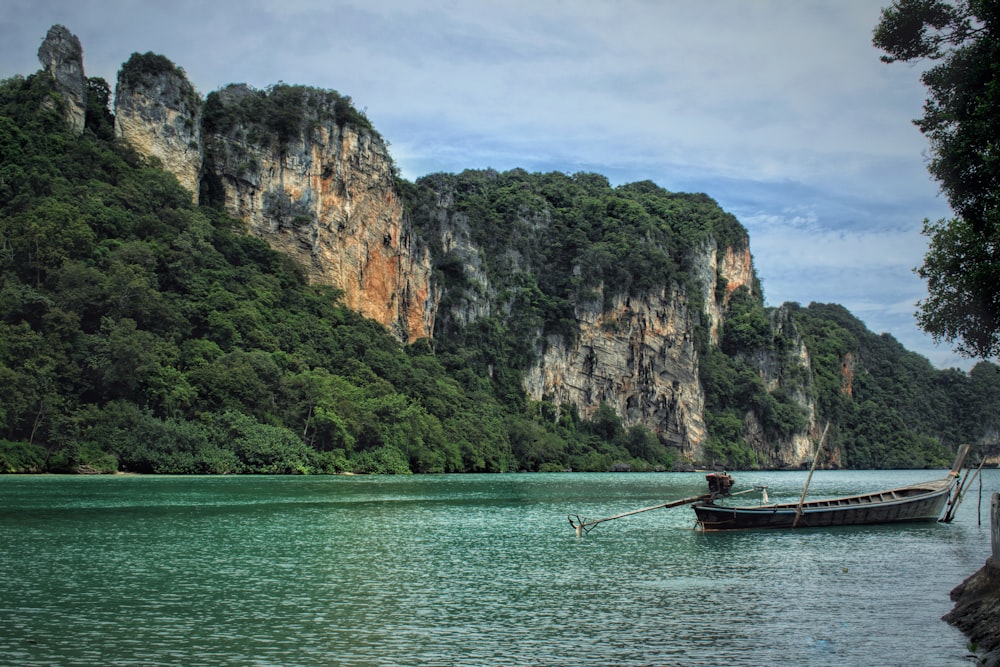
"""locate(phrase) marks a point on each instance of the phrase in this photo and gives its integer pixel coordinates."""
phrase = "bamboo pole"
(956, 470)
(805, 489)
(960, 493)
(582, 525)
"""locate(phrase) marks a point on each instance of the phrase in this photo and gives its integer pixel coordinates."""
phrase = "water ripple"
(458, 570)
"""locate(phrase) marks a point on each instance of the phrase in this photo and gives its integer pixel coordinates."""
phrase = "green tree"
(962, 123)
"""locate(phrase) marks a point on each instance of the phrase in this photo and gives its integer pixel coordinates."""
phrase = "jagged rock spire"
(62, 56)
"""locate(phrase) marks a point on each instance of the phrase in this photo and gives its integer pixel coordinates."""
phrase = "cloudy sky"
(778, 109)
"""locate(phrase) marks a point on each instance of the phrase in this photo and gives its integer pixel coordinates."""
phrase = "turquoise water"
(464, 570)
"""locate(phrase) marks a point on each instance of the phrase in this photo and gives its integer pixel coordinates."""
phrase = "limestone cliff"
(158, 111)
(62, 57)
(639, 357)
(786, 368)
(457, 245)
(287, 163)
(636, 351)
(322, 191)
(559, 288)
(733, 270)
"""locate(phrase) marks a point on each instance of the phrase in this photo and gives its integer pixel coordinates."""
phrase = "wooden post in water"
(995, 529)
(805, 489)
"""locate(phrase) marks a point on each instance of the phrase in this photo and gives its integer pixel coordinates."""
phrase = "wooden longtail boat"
(917, 502)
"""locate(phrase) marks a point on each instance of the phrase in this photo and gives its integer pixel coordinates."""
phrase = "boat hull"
(906, 504)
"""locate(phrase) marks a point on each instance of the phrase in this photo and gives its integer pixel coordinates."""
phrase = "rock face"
(639, 357)
(62, 56)
(977, 612)
(455, 238)
(736, 268)
(775, 366)
(977, 599)
(318, 189)
(325, 195)
(159, 113)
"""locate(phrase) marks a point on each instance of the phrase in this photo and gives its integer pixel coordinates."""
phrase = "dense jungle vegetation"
(141, 333)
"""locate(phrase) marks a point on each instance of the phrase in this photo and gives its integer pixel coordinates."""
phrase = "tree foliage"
(888, 407)
(143, 66)
(279, 113)
(962, 123)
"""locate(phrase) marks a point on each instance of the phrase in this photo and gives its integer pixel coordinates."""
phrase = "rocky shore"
(977, 601)
(977, 612)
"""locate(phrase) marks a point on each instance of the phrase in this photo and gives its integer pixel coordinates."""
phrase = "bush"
(86, 457)
(145, 65)
(384, 460)
(21, 457)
